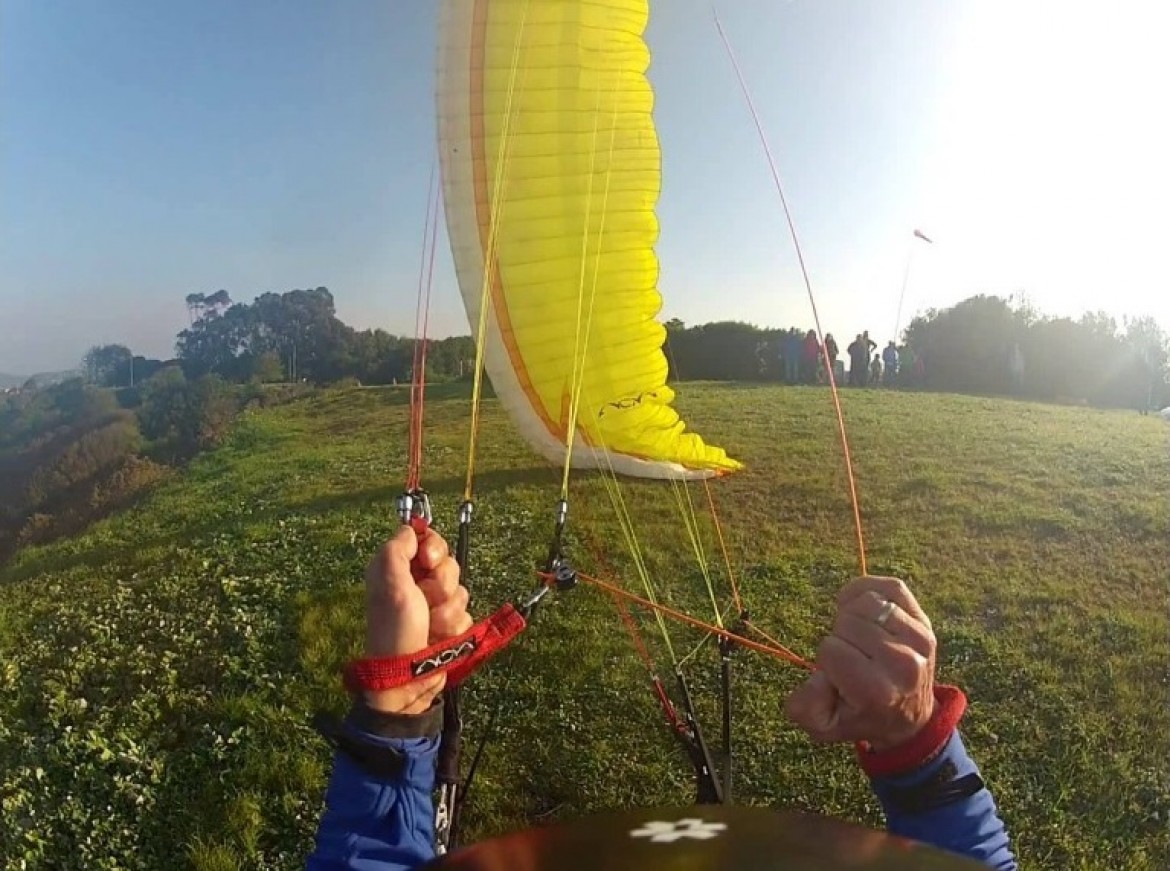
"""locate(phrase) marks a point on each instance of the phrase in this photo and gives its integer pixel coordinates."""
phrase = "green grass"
(157, 674)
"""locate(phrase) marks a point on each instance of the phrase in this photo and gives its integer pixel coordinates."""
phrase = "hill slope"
(157, 674)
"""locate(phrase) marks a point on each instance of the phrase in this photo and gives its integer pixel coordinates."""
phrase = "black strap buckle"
(938, 791)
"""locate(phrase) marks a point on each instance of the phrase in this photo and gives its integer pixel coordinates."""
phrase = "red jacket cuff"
(950, 704)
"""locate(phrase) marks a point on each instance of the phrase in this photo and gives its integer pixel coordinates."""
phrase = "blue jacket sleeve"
(931, 790)
(970, 825)
(371, 824)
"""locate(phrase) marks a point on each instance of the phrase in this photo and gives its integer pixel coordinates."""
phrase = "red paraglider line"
(668, 709)
(853, 498)
(777, 652)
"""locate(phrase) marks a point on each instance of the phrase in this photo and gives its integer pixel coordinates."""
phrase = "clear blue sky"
(148, 150)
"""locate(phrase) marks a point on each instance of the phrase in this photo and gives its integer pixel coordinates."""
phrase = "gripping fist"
(875, 671)
(413, 599)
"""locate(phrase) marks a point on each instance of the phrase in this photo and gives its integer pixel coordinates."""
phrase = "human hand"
(875, 676)
(413, 599)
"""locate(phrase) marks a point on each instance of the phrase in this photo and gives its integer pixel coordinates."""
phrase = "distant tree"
(447, 359)
(380, 358)
(218, 302)
(721, 351)
(195, 304)
(267, 368)
(967, 348)
(184, 416)
(105, 363)
(1150, 347)
(144, 368)
(300, 326)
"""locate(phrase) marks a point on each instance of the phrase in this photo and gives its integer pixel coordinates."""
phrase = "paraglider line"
(411, 472)
(858, 530)
(422, 312)
(778, 652)
(490, 265)
(902, 293)
(723, 548)
(668, 709)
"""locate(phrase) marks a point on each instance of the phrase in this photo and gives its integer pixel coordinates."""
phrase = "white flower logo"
(667, 833)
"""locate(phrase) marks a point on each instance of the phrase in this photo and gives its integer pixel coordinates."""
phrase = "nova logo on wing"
(443, 657)
(627, 402)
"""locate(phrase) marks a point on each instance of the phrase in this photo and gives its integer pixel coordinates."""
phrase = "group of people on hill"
(804, 362)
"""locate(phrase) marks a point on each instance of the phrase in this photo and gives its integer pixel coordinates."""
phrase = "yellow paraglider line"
(735, 594)
(778, 652)
(621, 510)
(489, 265)
(686, 508)
(581, 342)
(723, 549)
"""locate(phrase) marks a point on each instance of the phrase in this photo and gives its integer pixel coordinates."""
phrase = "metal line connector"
(414, 508)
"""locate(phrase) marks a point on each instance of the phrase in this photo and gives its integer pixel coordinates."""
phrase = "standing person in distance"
(810, 356)
(890, 362)
(792, 350)
(831, 352)
(858, 362)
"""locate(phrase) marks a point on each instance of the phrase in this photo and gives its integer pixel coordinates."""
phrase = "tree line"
(984, 345)
(292, 337)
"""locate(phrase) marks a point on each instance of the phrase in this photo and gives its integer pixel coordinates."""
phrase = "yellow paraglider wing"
(551, 171)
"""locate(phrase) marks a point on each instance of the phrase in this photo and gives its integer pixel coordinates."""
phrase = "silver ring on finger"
(888, 608)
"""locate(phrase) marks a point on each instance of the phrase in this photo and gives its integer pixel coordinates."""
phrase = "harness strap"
(458, 656)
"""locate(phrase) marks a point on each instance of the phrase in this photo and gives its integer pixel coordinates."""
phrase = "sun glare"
(1051, 172)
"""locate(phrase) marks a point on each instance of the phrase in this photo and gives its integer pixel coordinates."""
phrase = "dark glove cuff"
(428, 724)
(362, 734)
(950, 704)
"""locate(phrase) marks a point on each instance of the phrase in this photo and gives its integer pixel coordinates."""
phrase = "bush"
(83, 459)
(184, 417)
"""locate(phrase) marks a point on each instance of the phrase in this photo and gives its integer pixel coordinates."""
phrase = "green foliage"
(82, 458)
(184, 417)
(157, 674)
(116, 366)
(103, 362)
(297, 336)
(724, 351)
(60, 453)
(267, 368)
(970, 347)
(35, 418)
(69, 453)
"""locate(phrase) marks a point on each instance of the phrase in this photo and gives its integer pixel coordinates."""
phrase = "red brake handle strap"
(458, 656)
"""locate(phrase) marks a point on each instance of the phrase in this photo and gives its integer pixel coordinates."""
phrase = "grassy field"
(158, 673)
